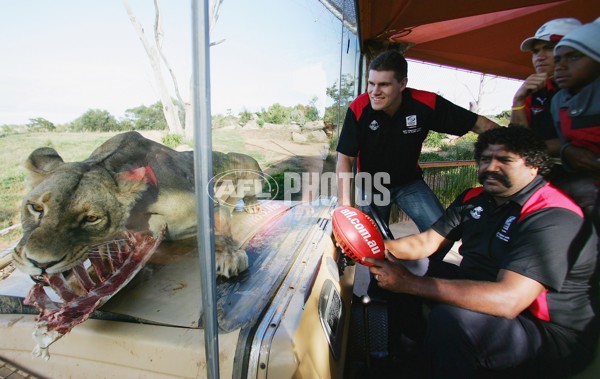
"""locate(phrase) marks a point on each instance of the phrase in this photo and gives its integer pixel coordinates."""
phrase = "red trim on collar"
(548, 197)
(425, 97)
(473, 192)
(359, 104)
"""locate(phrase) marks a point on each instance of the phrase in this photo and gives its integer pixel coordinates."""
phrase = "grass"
(228, 141)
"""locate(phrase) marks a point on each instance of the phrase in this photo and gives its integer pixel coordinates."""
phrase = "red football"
(357, 234)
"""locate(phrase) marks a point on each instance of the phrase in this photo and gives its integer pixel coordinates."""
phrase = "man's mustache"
(496, 176)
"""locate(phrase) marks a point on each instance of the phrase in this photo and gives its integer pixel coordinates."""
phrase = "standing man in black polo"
(383, 133)
(527, 285)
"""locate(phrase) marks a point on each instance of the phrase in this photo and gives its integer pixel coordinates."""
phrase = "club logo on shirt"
(508, 223)
(411, 125)
(374, 125)
(502, 234)
(536, 110)
(411, 121)
(476, 212)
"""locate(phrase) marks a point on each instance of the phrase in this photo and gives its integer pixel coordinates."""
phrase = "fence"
(446, 179)
(449, 179)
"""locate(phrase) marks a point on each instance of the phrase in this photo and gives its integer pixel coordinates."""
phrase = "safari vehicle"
(299, 310)
(154, 327)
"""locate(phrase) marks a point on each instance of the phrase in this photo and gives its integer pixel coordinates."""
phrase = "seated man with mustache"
(521, 298)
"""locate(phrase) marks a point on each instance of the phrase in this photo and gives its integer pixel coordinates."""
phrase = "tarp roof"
(476, 35)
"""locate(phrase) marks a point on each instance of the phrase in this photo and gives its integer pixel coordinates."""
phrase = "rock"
(251, 125)
(317, 136)
(314, 125)
(183, 147)
(299, 137)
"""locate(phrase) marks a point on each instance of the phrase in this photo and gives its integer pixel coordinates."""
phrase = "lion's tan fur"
(72, 206)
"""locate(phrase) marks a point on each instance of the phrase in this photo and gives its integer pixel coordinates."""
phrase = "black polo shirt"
(540, 233)
(393, 144)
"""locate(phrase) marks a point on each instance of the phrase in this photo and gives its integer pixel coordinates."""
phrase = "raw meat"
(114, 263)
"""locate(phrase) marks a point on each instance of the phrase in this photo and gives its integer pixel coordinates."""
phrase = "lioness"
(129, 182)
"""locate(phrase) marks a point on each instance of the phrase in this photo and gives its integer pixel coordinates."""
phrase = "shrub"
(96, 120)
(434, 140)
(277, 114)
(430, 156)
(146, 118)
(245, 117)
(172, 140)
(220, 121)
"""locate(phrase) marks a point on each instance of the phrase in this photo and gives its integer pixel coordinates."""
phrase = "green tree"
(245, 117)
(40, 124)
(298, 114)
(277, 114)
(342, 96)
(302, 113)
(96, 120)
(312, 113)
(147, 118)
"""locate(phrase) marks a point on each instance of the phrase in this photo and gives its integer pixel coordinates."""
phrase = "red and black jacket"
(541, 234)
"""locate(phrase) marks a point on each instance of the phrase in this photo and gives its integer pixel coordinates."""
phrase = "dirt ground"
(280, 152)
(285, 155)
(278, 147)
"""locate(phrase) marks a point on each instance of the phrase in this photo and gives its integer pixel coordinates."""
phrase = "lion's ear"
(40, 163)
(132, 184)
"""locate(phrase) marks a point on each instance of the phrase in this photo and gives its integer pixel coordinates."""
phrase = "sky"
(64, 57)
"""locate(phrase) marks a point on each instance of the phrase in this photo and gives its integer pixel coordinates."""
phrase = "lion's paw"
(230, 260)
(252, 207)
(231, 263)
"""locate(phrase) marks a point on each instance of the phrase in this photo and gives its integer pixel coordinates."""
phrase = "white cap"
(585, 39)
(551, 31)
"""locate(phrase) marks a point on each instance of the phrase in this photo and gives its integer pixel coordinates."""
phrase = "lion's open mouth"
(114, 265)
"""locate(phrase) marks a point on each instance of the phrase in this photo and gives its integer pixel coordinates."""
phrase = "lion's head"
(70, 208)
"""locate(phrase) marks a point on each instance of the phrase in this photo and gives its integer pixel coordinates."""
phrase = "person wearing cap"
(531, 106)
(531, 102)
(576, 107)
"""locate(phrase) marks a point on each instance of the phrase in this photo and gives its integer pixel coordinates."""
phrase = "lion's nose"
(42, 265)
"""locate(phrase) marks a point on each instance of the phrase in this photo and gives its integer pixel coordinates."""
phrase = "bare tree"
(484, 81)
(177, 111)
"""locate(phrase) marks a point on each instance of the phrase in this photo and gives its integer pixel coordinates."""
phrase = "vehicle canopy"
(482, 36)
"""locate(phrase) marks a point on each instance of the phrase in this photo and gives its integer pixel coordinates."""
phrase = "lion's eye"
(91, 219)
(35, 208)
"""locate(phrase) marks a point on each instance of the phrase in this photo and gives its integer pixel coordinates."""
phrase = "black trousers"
(458, 343)
(464, 344)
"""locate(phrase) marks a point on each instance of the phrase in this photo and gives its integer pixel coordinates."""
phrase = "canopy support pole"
(203, 173)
